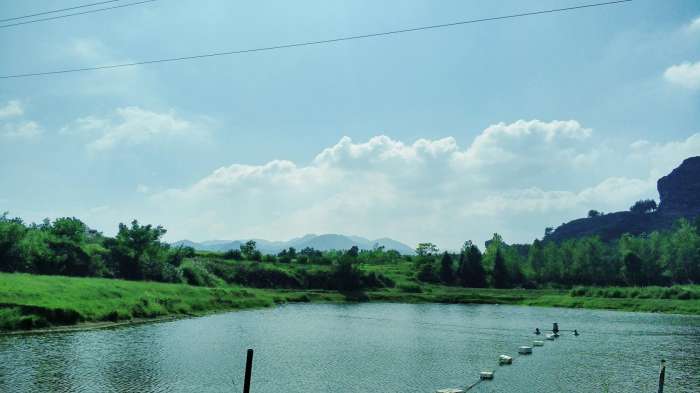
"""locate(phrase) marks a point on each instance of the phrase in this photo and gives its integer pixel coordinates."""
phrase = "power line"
(59, 10)
(310, 43)
(75, 13)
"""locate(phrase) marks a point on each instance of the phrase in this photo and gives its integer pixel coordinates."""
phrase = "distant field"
(35, 302)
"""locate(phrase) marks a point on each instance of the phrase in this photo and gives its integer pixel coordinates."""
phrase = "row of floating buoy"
(506, 360)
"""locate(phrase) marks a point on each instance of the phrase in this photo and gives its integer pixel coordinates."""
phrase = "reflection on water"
(363, 348)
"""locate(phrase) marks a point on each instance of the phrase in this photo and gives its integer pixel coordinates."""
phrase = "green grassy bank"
(36, 302)
(33, 301)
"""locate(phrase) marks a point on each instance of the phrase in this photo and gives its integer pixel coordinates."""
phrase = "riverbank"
(34, 302)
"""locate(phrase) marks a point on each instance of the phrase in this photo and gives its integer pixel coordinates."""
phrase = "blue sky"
(442, 135)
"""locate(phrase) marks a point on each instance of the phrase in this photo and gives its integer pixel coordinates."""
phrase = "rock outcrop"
(679, 195)
(679, 191)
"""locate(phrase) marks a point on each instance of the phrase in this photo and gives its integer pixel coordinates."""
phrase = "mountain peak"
(323, 242)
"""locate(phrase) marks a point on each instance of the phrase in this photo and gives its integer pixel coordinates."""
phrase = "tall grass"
(678, 292)
(33, 301)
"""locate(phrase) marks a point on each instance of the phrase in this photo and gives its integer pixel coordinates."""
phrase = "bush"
(195, 274)
(410, 288)
(578, 292)
(234, 255)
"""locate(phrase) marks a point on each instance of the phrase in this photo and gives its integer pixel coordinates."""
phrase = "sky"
(444, 135)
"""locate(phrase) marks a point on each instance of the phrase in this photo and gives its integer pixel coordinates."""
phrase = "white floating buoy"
(450, 390)
(525, 350)
(538, 343)
(486, 375)
(505, 359)
(550, 337)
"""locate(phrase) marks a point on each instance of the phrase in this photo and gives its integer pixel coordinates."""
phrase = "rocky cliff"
(679, 191)
(679, 195)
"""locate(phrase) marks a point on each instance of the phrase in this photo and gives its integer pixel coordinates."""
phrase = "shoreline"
(104, 325)
(32, 304)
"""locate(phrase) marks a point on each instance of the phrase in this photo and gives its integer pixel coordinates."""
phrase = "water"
(370, 347)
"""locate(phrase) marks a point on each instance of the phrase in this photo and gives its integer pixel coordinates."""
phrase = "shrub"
(410, 288)
(234, 255)
(195, 274)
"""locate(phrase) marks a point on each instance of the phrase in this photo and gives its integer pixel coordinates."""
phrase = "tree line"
(659, 258)
(66, 246)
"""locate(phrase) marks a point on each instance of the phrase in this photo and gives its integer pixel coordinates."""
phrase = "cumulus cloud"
(11, 109)
(17, 128)
(694, 25)
(132, 126)
(22, 130)
(686, 75)
(427, 190)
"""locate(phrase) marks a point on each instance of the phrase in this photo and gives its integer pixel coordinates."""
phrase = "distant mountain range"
(319, 242)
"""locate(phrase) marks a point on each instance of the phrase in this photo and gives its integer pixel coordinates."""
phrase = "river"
(368, 347)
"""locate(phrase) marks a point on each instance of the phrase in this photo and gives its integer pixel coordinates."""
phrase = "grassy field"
(31, 301)
(35, 302)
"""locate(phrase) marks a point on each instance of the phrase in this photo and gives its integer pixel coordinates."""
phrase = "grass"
(35, 302)
(678, 292)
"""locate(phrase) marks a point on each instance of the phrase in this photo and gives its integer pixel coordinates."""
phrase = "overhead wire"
(76, 13)
(58, 10)
(310, 43)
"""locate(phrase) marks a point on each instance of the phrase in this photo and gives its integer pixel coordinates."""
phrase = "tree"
(633, 269)
(593, 213)
(248, 249)
(471, 271)
(136, 252)
(535, 258)
(447, 274)
(12, 231)
(353, 252)
(425, 249)
(312, 255)
(346, 275)
(548, 232)
(426, 272)
(236, 255)
(644, 206)
(500, 274)
(476, 267)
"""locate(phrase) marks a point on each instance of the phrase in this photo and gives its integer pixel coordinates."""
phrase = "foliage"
(644, 206)
(68, 247)
(593, 213)
(424, 249)
(447, 273)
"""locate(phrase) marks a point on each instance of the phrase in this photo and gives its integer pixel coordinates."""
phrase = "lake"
(368, 347)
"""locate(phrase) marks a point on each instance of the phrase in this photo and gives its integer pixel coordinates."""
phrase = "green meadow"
(30, 302)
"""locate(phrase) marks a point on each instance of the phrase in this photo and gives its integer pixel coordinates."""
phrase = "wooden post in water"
(248, 371)
(662, 376)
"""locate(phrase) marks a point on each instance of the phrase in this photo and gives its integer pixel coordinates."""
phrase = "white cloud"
(22, 130)
(18, 128)
(11, 109)
(694, 26)
(132, 126)
(685, 75)
(513, 178)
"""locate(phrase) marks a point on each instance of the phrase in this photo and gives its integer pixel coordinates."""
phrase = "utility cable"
(310, 43)
(59, 10)
(75, 13)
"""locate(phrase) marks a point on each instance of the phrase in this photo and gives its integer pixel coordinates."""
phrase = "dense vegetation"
(136, 275)
(68, 247)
